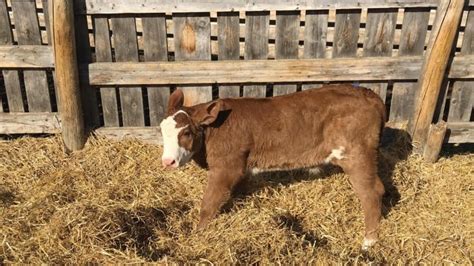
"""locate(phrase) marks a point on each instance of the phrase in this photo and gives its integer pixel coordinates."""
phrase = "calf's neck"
(336, 124)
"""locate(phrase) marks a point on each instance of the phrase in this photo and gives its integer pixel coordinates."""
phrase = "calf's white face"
(182, 130)
(173, 154)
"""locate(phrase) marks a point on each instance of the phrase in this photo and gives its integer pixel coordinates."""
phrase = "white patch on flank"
(171, 148)
(368, 243)
(315, 171)
(335, 154)
(256, 171)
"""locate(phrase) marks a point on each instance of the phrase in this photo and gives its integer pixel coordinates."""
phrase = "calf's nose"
(167, 162)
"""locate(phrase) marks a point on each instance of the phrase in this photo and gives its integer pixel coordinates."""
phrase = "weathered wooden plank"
(149, 6)
(47, 20)
(10, 77)
(379, 31)
(462, 101)
(229, 47)
(448, 16)
(256, 45)
(192, 34)
(126, 50)
(462, 67)
(6, 37)
(103, 53)
(154, 38)
(83, 49)
(150, 135)
(29, 123)
(13, 91)
(315, 37)
(28, 33)
(254, 71)
(414, 29)
(462, 96)
(286, 43)
(346, 33)
(26, 56)
(412, 42)
(460, 132)
(403, 98)
(468, 39)
(246, 71)
(155, 49)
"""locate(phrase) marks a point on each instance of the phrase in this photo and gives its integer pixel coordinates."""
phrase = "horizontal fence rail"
(254, 71)
(26, 56)
(266, 71)
(33, 123)
(184, 6)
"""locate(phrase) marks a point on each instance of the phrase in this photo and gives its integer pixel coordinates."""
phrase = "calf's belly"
(290, 157)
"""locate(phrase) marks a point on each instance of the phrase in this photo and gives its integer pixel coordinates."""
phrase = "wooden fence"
(416, 54)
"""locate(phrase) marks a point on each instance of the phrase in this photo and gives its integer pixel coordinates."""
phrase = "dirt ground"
(112, 202)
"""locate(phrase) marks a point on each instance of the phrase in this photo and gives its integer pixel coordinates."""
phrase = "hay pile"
(112, 202)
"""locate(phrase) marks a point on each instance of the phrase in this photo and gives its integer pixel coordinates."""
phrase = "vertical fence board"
(192, 37)
(412, 42)
(414, 29)
(47, 19)
(287, 42)
(346, 33)
(379, 32)
(315, 36)
(83, 50)
(462, 96)
(155, 49)
(256, 45)
(103, 53)
(47, 5)
(28, 33)
(229, 48)
(126, 49)
(10, 77)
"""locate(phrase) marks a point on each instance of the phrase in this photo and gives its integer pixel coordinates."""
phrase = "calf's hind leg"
(369, 189)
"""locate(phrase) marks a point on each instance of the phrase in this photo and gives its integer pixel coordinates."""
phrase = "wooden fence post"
(67, 75)
(434, 141)
(448, 16)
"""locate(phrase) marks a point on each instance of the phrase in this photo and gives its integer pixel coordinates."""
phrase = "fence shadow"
(395, 147)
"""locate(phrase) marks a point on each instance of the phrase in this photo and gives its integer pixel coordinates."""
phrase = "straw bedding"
(112, 202)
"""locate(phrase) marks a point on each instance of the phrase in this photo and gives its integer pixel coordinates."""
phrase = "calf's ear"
(208, 113)
(176, 101)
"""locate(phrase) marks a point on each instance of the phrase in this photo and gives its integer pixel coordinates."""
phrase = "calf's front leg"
(219, 188)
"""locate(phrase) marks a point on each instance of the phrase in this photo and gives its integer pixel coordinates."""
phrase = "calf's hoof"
(368, 243)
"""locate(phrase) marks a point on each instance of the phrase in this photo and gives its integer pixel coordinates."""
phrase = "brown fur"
(231, 136)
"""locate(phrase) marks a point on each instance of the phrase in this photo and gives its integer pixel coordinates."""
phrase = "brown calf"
(336, 124)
